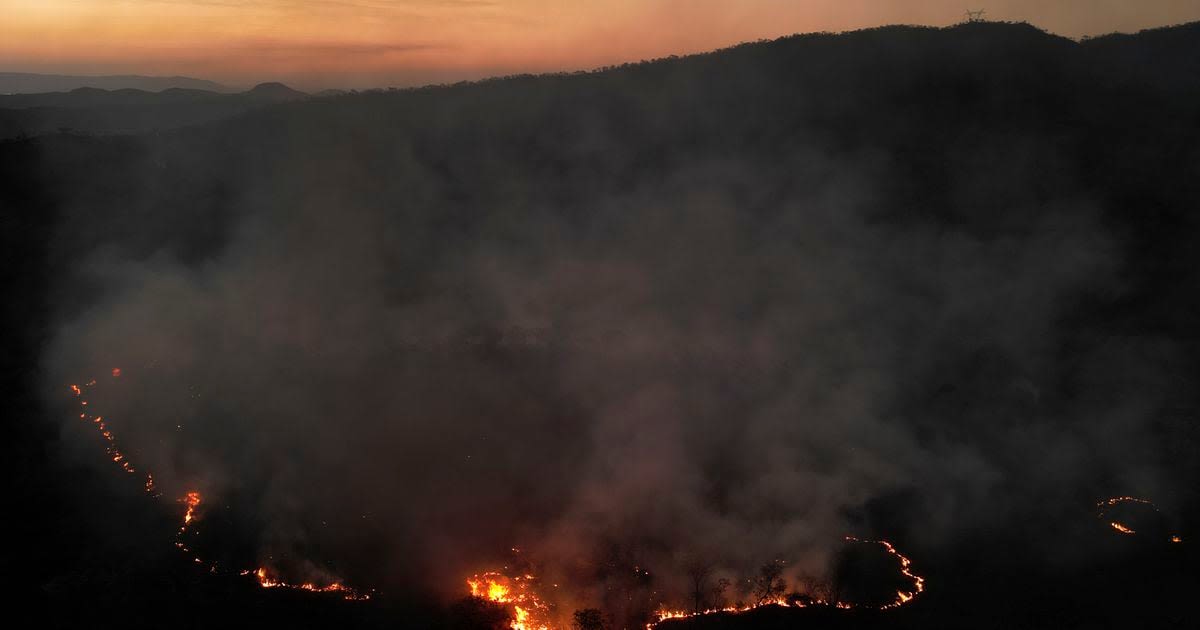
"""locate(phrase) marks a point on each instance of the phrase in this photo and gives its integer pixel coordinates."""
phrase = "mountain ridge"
(33, 82)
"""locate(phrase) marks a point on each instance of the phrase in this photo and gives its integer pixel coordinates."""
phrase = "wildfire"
(529, 611)
(902, 597)
(1104, 507)
(192, 500)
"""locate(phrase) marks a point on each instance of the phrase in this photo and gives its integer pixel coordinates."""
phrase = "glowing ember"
(529, 611)
(1103, 508)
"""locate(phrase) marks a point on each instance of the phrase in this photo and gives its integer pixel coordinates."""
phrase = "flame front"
(191, 501)
(902, 597)
(101, 426)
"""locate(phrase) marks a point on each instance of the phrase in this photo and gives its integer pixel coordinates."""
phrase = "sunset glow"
(362, 43)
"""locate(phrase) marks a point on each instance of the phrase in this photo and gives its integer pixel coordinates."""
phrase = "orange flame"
(529, 611)
(192, 501)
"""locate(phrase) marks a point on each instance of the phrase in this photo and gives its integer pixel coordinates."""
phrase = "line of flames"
(110, 442)
(266, 581)
(1103, 507)
(530, 612)
(191, 501)
(902, 597)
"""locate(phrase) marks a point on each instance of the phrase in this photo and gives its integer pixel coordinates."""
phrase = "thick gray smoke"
(727, 359)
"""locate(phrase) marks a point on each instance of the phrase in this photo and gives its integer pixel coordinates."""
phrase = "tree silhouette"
(769, 584)
(588, 619)
(698, 573)
(476, 613)
(717, 593)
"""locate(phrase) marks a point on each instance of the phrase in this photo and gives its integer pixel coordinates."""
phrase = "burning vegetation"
(529, 612)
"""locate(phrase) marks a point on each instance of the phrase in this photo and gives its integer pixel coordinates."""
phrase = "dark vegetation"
(979, 128)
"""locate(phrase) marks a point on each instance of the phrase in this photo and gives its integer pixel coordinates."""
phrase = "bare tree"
(769, 584)
(718, 593)
(699, 573)
(814, 589)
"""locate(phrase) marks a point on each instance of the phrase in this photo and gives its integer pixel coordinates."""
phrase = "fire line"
(192, 501)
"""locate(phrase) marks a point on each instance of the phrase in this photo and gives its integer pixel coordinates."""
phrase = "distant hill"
(30, 83)
(93, 110)
(274, 92)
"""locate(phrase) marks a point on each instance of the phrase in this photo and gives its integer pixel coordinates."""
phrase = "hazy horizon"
(313, 44)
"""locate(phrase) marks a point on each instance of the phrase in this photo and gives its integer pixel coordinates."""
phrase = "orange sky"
(361, 43)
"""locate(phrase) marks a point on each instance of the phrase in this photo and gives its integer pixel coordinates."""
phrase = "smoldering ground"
(705, 309)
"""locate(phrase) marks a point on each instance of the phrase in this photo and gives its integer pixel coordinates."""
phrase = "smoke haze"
(727, 308)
